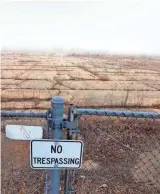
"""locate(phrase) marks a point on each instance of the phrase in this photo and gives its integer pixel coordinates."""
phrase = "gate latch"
(70, 126)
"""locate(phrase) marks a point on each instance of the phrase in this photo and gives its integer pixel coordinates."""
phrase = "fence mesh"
(121, 156)
(17, 175)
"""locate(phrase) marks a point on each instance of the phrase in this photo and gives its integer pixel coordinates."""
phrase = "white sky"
(124, 26)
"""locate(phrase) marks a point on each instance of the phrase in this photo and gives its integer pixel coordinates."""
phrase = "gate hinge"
(68, 124)
(74, 130)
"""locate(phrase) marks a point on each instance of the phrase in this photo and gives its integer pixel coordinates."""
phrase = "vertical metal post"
(69, 137)
(57, 110)
(70, 118)
(46, 188)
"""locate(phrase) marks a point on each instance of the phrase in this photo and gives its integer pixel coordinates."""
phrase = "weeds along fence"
(121, 152)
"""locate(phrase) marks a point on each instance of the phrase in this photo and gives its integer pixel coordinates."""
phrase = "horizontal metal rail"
(116, 113)
(23, 114)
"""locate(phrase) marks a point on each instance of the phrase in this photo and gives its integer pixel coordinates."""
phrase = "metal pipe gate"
(55, 123)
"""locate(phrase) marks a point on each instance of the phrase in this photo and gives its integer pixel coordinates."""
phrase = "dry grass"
(90, 81)
(114, 148)
(112, 73)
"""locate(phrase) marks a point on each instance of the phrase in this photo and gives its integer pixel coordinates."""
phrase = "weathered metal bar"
(116, 113)
(69, 137)
(57, 110)
(46, 188)
(23, 114)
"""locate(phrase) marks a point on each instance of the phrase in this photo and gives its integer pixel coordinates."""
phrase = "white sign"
(22, 132)
(56, 154)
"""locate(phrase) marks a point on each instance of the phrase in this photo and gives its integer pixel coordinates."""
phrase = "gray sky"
(124, 26)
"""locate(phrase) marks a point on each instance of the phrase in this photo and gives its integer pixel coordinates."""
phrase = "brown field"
(92, 81)
(118, 153)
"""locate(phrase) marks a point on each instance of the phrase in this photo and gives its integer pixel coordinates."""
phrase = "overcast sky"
(124, 26)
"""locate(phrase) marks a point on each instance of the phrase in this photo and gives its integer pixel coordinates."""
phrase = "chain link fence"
(121, 155)
(17, 175)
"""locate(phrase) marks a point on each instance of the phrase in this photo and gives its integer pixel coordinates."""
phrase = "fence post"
(57, 110)
(69, 137)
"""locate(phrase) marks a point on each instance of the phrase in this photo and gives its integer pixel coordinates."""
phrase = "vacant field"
(30, 80)
(121, 156)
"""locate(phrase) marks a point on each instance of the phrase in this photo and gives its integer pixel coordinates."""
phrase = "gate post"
(57, 110)
(69, 137)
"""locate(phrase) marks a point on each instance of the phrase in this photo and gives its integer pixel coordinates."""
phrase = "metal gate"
(121, 152)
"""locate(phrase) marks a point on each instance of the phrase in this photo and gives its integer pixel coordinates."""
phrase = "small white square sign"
(23, 132)
(55, 154)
